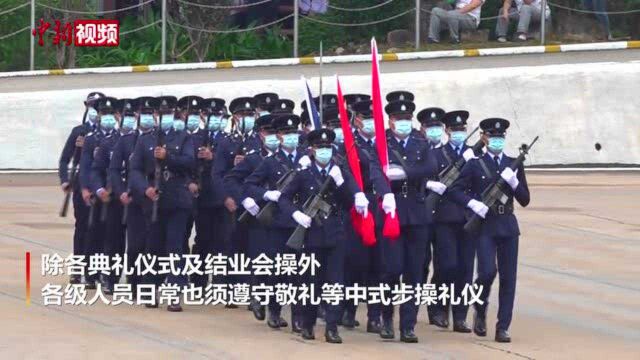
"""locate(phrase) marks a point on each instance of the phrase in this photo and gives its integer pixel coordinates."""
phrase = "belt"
(499, 209)
(168, 175)
(404, 188)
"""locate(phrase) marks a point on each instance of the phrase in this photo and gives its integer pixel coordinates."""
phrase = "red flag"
(364, 226)
(391, 227)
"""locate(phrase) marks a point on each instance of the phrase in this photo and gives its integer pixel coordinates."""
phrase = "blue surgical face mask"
(290, 141)
(166, 122)
(271, 142)
(339, 136)
(403, 127)
(193, 122)
(368, 127)
(214, 123)
(223, 124)
(178, 125)
(248, 122)
(129, 123)
(92, 114)
(108, 122)
(496, 144)
(457, 138)
(323, 155)
(263, 113)
(434, 134)
(147, 121)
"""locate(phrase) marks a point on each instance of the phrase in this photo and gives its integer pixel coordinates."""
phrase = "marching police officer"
(410, 164)
(171, 150)
(263, 184)
(209, 220)
(454, 250)
(101, 184)
(119, 176)
(325, 241)
(431, 129)
(71, 152)
(498, 237)
(96, 229)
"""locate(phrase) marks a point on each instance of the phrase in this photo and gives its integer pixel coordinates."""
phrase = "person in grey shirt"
(465, 16)
(525, 12)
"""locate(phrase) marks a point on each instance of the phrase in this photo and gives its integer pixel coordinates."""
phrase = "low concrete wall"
(571, 107)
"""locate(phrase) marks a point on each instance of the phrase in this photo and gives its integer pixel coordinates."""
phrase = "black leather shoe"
(461, 327)
(296, 326)
(282, 322)
(373, 327)
(479, 325)
(440, 321)
(502, 336)
(349, 321)
(258, 310)
(408, 336)
(320, 312)
(90, 285)
(332, 337)
(273, 322)
(107, 289)
(174, 307)
(386, 332)
(308, 334)
(151, 306)
(231, 306)
(75, 279)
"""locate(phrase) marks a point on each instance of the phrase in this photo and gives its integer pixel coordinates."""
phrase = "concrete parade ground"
(578, 292)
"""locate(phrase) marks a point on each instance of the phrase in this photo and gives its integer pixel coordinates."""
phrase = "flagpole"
(321, 99)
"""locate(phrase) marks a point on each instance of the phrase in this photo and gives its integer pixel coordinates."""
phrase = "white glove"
(304, 162)
(302, 219)
(272, 195)
(510, 177)
(336, 174)
(389, 203)
(251, 206)
(395, 172)
(478, 208)
(468, 154)
(437, 187)
(362, 204)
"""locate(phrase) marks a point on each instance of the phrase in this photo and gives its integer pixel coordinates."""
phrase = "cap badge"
(433, 115)
(247, 105)
(458, 120)
(403, 107)
(194, 102)
(497, 125)
(283, 106)
(108, 103)
(164, 102)
(401, 97)
(289, 122)
(324, 136)
(268, 99)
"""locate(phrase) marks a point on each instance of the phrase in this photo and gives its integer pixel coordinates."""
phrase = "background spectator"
(466, 16)
(599, 6)
(525, 12)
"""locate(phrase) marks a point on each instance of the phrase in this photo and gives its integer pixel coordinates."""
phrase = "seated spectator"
(526, 12)
(466, 16)
(313, 7)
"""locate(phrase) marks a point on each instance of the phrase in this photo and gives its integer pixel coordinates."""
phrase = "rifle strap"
(399, 158)
(446, 155)
(485, 168)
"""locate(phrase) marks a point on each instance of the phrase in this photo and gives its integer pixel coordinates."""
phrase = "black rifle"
(450, 174)
(201, 162)
(77, 152)
(265, 215)
(495, 193)
(313, 207)
(125, 210)
(157, 175)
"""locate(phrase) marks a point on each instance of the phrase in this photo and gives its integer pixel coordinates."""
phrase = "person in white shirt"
(525, 12)
(466, 16)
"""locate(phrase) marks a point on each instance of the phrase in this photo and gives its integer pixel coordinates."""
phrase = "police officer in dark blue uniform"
(403, 95)
(101, 184)
(71, 152)
(232, 151)
(283, 106)
(453, 249)
(431, 129)
(234, 183)
(262, 184)
(119, 176)
(96, 229)
(326, 241)
(172, 149)
(497, 241)
(411, 163)
(265, 103)
(209, 217)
